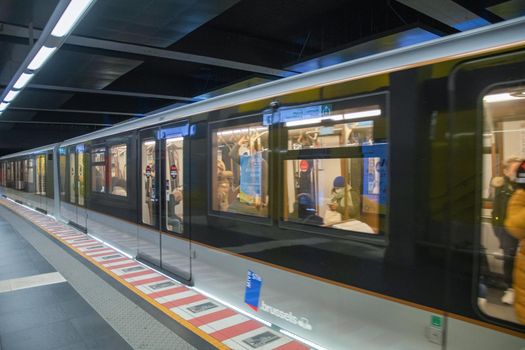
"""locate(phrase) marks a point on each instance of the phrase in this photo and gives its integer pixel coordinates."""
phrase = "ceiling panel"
(24, 12)
(157, 23)
(83, 70)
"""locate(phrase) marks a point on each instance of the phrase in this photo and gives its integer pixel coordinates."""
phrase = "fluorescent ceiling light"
(363, 114)
(175, 139)
(500, 97)
(70, 17)
(41, 57)
(314, 120)
(11, 95)
(3, 106)
(23, 80)
(149, 143)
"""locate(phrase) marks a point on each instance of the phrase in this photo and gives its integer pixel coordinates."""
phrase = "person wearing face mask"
(515, 225)
(343, 199)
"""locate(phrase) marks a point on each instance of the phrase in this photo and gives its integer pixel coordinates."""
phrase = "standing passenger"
(504, 188)
(515, 224)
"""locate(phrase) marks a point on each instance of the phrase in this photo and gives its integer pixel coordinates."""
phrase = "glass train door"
(148, 239)
(175, 239)
(163, 238)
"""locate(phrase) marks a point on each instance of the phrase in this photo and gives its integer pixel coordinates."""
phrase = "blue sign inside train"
(252, 294)
(299, 113)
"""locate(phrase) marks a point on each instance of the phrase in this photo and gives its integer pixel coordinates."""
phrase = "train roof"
(30, 151)
(485, 39)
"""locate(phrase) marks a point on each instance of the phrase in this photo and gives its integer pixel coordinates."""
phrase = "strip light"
(11, 95)
(500, 97)
(3, 106)
(70, 17)
(41, 57)
(23, 80)
(336, 117)
(363, 114)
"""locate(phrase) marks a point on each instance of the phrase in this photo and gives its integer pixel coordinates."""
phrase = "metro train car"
(351, 206)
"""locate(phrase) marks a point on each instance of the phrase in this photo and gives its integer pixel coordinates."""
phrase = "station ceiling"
(128, 58)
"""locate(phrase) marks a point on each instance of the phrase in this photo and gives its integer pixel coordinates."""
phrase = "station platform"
(63, 289)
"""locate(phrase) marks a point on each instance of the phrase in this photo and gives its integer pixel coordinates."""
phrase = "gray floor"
(52, 316)
(135, 321)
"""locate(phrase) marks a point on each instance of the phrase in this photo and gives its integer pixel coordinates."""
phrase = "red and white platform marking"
(227, 328)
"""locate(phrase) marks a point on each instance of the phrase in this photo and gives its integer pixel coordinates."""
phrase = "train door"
(175, 238)
(148, 239)
(163, 238)
(487, 146)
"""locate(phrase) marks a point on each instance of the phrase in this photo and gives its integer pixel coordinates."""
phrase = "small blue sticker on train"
(252, 295)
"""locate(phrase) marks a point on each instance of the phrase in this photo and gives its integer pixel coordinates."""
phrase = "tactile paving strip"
(221, 326)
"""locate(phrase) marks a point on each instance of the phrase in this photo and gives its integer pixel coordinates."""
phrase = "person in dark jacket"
(504, 187)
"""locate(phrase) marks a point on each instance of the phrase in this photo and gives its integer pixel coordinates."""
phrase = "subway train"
(351, 206)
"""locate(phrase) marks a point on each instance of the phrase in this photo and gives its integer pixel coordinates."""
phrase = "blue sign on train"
(252, 294)
(298, 113)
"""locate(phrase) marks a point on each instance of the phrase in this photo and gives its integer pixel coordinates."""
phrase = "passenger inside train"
(241, 170)
(503, 152)
(345, 193)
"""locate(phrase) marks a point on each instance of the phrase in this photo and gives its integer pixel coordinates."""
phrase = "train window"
(148, 150)
(118, 178)
(41, 175)
(30, 174)
(240, 170)
(81, 184)
(72, 181)
(98, 170)
(502, 217)
(345, 133)
(62, 170)
(335, 170)
(174, 172)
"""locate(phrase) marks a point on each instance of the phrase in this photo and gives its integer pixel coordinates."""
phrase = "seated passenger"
(175, 198)
(305, 211)
(225, 192)
(118, 187)
(343, 199)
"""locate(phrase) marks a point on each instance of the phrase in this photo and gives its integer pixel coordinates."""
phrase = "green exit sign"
(436, 321)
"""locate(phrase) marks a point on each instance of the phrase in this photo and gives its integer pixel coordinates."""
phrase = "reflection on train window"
(80, 174)
(118, 161)
(41, 175)
(343, 129)
(174, 172)
(98, 170)
(240, 170)
(501, 286)
(149, 196)
(31, 175)
(341, 193)
(62, 165)
(72, 179)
